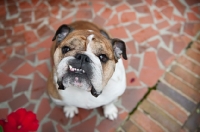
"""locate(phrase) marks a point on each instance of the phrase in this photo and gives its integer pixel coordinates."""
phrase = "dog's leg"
(110, 111)
(70, 111)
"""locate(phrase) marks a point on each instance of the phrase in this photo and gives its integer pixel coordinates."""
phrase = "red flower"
(2, 123)
(21, 121)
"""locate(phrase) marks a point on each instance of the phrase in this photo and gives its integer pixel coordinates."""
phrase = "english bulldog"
(87, 69)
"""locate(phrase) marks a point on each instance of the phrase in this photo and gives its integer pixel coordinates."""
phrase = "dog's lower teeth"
(70, 67)
(76, 70)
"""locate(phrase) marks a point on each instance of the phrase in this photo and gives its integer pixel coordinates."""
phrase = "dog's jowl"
(87, 69)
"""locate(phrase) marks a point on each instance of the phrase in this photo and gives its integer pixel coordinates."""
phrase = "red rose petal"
(34, 126)
(8, 128)
(22, 130)
(30, 122)
(21, 114)
(2, 123)
(30, 116)
(12, 120)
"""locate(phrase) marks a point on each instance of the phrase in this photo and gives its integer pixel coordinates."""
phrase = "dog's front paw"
(70, 111)
(110, 111)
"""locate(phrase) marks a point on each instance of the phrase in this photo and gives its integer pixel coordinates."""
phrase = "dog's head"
(85, 59)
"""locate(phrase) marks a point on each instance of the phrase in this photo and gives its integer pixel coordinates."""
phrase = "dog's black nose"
(94, 92)
(82, 58)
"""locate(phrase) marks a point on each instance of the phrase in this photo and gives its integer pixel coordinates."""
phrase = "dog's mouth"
(76, 70)
(91, 89)
(77, 74)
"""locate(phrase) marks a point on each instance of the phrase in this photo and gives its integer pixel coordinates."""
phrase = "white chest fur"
(80, 98)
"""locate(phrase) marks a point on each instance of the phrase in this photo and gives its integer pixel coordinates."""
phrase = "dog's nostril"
(78, 57)
(82, 58)
(87, 59)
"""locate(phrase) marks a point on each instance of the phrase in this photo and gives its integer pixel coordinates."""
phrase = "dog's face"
(85, 59)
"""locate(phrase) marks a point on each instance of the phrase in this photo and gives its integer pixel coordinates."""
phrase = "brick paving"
(155, 32)
(174, 105)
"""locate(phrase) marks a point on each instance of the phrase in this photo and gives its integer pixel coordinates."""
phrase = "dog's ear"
(62, 32)
(104, 34)
(119, 48)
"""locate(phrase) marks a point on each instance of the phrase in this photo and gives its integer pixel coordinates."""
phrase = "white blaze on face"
(89, 38)
(96, 66)
(90, 30)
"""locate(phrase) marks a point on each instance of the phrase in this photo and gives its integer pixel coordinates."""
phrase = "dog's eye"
(65, 49)
(103, 58)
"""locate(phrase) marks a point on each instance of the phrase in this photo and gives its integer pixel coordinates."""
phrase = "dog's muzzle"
(79, 70)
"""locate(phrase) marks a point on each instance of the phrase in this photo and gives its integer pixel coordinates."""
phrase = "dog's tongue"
(77, 82)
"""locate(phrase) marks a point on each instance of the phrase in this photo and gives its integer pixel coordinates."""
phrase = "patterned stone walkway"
(155, 32)
(175, 104)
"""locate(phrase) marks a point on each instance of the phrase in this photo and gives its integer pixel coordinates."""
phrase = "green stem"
(1, 129)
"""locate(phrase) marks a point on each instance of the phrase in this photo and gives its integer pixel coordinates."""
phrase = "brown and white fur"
(87, 69)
